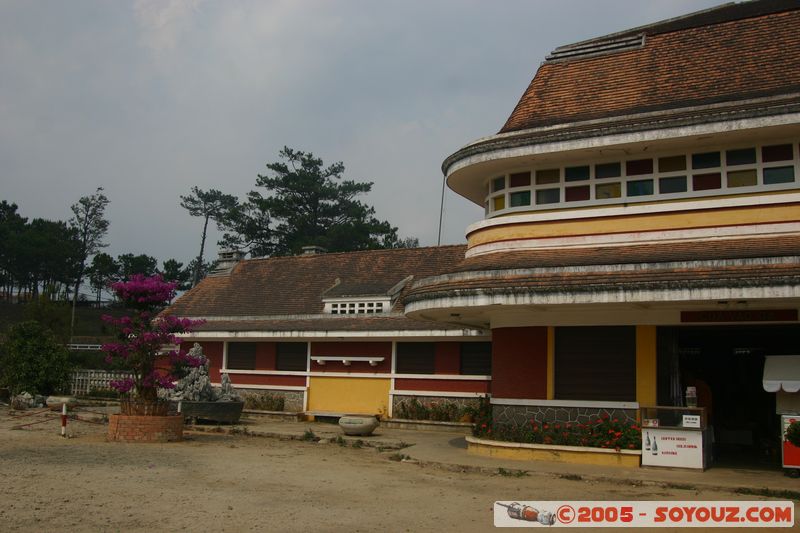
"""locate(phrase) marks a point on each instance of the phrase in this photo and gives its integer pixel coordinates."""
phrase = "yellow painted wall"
(646, 369)
(588, 456)
(623, 224)
(363, 396)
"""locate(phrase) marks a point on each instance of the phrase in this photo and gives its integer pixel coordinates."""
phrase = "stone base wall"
(292, 399)
(523, 414)
(129, 428)
(428, 400)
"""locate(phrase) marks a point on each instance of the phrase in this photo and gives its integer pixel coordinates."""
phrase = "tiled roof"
(723, 263)
(296, 285)
(327, 323)
(680, 65)
(708, 250)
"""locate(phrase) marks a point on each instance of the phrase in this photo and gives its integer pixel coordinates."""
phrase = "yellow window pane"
(499, 203)
(742, 178)
(607, 190)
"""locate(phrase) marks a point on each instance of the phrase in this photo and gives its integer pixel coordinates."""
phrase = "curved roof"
(734, 52)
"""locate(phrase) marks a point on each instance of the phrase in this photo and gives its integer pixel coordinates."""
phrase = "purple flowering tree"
(146, 341)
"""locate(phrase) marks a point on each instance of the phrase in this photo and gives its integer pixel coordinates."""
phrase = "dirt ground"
(214, 482)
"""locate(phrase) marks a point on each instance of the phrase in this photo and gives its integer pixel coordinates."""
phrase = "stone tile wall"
(522, 414)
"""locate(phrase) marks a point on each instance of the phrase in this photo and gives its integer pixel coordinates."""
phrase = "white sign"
(672, 447)
(691, 421)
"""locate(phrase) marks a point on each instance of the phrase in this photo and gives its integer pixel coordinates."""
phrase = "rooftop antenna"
(441, 212)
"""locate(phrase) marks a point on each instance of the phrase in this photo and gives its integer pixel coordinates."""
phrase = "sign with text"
(691, 421)
(672, 447)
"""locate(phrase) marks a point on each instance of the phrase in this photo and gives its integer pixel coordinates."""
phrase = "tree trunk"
(75, 301)
(199, 264)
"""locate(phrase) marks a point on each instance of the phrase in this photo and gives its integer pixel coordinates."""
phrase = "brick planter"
(131, 428)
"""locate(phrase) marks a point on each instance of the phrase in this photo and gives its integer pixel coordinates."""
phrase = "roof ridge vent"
(597, 47)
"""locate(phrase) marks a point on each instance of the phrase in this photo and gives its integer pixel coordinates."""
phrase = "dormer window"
(357, 307)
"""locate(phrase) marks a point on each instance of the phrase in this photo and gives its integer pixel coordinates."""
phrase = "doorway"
(725, 364)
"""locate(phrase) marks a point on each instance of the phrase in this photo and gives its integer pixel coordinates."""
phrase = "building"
(641, 233)
(642, 228)
(327, 331)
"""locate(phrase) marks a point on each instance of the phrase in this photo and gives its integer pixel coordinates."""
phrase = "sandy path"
(238, 483)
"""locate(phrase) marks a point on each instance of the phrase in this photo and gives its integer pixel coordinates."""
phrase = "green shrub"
(438, 410)
(32, 360)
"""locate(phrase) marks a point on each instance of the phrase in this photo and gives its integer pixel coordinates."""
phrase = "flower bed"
(603, 432)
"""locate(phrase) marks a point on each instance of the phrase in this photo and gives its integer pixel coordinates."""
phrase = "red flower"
(546, 426)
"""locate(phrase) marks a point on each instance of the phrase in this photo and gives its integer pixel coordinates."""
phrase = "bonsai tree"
(145, 342)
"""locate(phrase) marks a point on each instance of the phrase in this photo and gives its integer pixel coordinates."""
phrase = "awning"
(782, 372)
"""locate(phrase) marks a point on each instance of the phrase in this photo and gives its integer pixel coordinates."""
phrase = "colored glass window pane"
(778, 175)
(518, 199)
(498, 184)
(674, 163)
(640, 187)
(551, 175)
(520, 179)
(706, 182)
(607, 190)
(781, 152)
(548, 196)
(639, 167)
(745, 156)
(672, 185)
(576, 173)
(742, 178)
(608, 170)
(499, 203)
(706, 160)
(577, 194)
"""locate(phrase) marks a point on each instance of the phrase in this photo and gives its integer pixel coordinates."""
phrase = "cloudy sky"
(148, 98)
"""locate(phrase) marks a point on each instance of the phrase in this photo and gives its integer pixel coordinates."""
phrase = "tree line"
(299, 202)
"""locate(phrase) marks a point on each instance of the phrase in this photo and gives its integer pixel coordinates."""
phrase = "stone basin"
(360, 425)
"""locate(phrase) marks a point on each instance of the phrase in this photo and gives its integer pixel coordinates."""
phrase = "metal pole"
(64, 420)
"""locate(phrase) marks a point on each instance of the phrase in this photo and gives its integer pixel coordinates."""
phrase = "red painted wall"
(260, 379)
(265, 355)
(443, 385)
(448, 358)
(213, 351)
(353, 349)
(519, 363)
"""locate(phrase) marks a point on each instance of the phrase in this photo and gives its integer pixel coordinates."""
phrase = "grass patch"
(571, 477)
(680, 486)
(512, 473)
(358, 444)
(770, 493)
(309, 436)
(398, 457)
(340, 441)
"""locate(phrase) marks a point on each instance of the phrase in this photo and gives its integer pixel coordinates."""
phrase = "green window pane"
(706, 160)
(674, 163)
(519, 199)
(781, 152)
(778, 175)
(519, 179)
(640, 188)
(672, 185)
(608, 170)
(707, 182)
(639, 167)
(498, 184)
(607, 190)
(576, 173)
(745, 156)
(548, 196)
(742, 178)
(550, 175)
(499, 203)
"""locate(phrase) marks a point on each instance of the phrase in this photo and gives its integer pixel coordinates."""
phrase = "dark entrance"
(726, 365)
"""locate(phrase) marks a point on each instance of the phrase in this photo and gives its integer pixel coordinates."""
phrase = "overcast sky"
(148, 98)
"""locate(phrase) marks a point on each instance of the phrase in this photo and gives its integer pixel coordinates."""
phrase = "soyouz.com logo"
(644, 514)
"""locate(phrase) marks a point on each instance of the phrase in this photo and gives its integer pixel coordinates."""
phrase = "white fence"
(84, 381)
